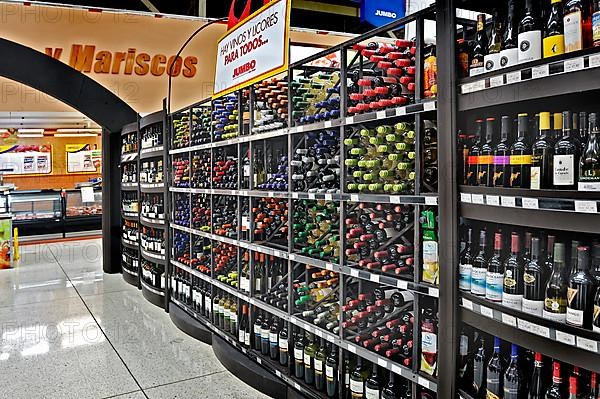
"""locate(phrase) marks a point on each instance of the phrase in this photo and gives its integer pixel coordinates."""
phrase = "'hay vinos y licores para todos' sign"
(255, 49)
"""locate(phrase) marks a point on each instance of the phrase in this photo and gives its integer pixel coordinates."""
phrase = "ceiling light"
(31, 131)
(77, 130)
(30, 135)
(75, 135)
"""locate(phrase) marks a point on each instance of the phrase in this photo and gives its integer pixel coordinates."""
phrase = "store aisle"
(70, 331)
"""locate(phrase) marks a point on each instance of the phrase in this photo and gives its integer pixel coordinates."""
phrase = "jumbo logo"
(246, 68)
(249, 7)
(387, 14)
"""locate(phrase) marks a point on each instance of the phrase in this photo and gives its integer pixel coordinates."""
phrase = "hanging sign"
(382, 12)
(254, 49)
(83, 158)
(26, 159)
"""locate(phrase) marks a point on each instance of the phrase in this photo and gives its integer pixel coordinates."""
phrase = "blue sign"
(382, 12)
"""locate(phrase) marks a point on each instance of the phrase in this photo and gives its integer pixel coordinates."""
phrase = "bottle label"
(329, 372)
(596, 27)
(485, 160)
(318, 366)
(530, 46)
(241, 336)
(501, 160)
(473, 160)
(536, 172)
(573, 31)
(247, 338)
(491, 62)
(493, 286)
(371, 393)
(574, 317)
(596, 316)
(464, 280)
(509, 57)
(430, 262)
(520, 159)
(511, 392)
(307, 360)
(298, 354)
(512, 301)
(554, 45)
(478, 278)
(283, 344)
(356, 387)
(273, 338)
(558, 317)
(564, 170)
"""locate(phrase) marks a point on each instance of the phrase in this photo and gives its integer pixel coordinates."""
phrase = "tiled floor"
(70, 331)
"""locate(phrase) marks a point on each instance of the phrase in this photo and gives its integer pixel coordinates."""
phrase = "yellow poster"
(83, 158)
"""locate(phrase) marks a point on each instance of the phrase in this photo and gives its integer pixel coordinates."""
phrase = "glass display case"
(83, 204)
(36, 205)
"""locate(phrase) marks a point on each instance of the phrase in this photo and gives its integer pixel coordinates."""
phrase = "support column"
(111, 202)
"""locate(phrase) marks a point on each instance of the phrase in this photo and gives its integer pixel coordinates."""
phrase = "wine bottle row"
(152, 135)
(152, 172)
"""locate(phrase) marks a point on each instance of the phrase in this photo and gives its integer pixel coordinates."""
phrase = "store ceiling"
(45, 120)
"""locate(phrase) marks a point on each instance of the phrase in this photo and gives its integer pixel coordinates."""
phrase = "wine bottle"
(566, 154)
(479, 275)
(556, 390)
(520, 156)
(491, 60)
(541, 156)
(594, 387)
(477, 66)
(573, 21)
(465, 363)
(495, 272)
(554, 38)
(555, 302)
(347, 369)
(534, 282)
(501, 175)
(509, 55)
(537, 387)
(514, 379)
(373, 384)
(589, 164)
(474, 153)
(512, 290)
(283, 346)
(299, 354)
(495, 368)
(530, 35)
(580, 293)
(309, 357)
(479, 370)
(357, 380)
(391, 390)
(243, 323)
(331, 373)
(274, 339)
(486, 159)
(466, 264)
(319, 363)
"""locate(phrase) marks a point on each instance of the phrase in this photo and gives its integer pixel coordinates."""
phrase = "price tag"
(381, 114)
(586, 207)
(575, 64)
(525, 325)
(587, 344)
(595, 61)
(467, 304)
(565, 338)
(328, 124)
(271, 194)
(311, 196)
(464, 197)
(434, 292)
(477, 199)
(278, 373)
(351, 348)
(330, 338)
(531, 203)
(492, 200)
(328, 266)
(467, 88)
(542, 331)
(508, 319)
(277, 253)
(431, 200)
(401, 111)
(402, 284)
(424, 382)
(382, 362)
(318, 333)
(509, 202)
(354, 198)
(349, 120)
(540, 71)
(429, 106)
(297, 386)
(487, 312)
(292, 257)
(300, 129)
(479, 85)
(294, 320)
(394, 199)
(328, 197)
(374, 278)
(258, 360)
(396, 369)
(295, 195)
(354, 272)
(496, 81)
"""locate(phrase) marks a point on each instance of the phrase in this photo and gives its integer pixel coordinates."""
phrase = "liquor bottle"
(495, 368)
(589, 164)
(491, 60)
(486, 159)
(580, 294)
(566, 153)
(309, 358)
(479, 370)
(542, 154)
(357, 380)
(554, 38)
(573, 22)
(530, 35)
(495, 272)
(512, 290)
(466, 264)
(465, 363)
(594, 387)
(347, 368)
(555, 302)
(574, 384)
(479, 275)
(534, 280)
(477, 66)
(537, 387)
(331, 373)
(509, 55)
(520, 156)
(527, 251)
(502, 151)
(557, 389)
(514, 379)
(391, 390)
(474, 153)
(319, 365)
(373, 384)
